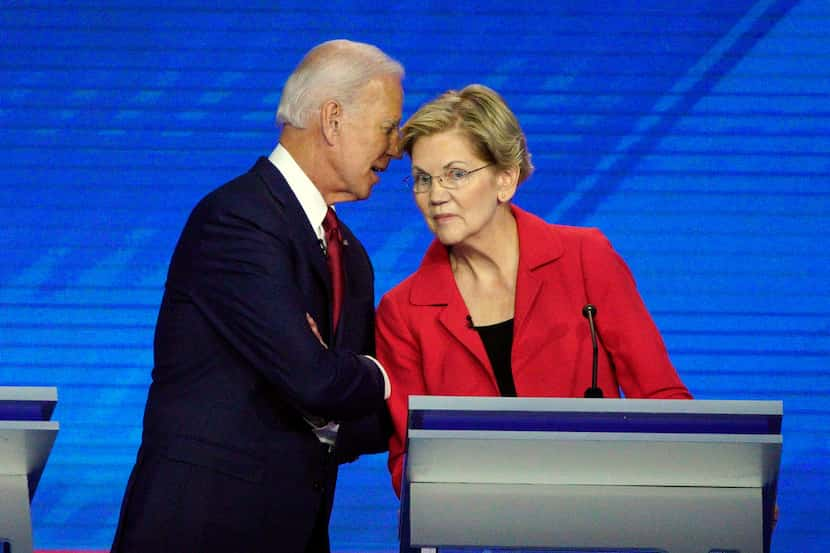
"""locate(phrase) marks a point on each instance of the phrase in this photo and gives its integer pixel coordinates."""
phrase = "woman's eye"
(456, 174)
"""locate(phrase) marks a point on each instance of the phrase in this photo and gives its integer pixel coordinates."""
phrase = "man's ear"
(331, 115)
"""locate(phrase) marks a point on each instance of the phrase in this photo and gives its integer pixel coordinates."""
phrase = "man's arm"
(240, 273)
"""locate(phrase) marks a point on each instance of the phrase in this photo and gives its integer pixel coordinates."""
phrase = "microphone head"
(589, 311)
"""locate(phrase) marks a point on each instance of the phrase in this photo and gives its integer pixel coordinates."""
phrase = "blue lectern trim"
(544, 550)
(572, 421)
(25, 410)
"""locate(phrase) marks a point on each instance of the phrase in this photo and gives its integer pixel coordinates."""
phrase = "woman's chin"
(447, 238)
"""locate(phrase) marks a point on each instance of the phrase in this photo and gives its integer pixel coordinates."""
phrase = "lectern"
(26, 438)
(546, 474)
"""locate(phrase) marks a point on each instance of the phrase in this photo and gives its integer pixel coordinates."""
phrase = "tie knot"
(331, 225)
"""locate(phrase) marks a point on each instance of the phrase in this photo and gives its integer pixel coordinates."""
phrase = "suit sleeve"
(634, 344)
(399, 352)
(240, 272)
(370, 433)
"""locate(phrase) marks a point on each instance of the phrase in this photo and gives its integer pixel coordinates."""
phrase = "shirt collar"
(312, 202)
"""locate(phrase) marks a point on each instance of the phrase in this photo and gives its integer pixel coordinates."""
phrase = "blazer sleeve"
(399, 353)
(239, 270)
(627, 331)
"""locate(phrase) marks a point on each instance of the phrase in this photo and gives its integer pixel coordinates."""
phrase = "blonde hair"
(338, 70)
(483, 115)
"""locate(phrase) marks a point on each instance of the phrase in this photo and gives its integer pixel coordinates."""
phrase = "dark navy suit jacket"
(227, 461)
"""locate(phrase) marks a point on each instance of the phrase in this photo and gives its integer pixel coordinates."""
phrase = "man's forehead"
(385, 86)
(382, 98)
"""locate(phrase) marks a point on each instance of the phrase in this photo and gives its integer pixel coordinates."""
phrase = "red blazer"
(427, 347)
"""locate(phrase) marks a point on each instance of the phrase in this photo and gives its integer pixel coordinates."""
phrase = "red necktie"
(334, 257)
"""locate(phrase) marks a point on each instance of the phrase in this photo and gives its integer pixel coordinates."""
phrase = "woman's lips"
(443, 217)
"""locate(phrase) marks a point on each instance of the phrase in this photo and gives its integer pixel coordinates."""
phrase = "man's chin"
(357, 195)
(365, 191)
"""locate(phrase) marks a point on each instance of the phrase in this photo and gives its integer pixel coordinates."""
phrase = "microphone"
(469, 322)
(589, 312)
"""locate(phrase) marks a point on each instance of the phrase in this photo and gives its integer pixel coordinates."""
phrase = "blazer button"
(317, 486)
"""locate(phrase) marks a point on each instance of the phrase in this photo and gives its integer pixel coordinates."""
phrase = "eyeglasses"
(450, 179)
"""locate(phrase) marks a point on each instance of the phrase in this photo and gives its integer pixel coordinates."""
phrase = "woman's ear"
(507, 182)
(331, 115)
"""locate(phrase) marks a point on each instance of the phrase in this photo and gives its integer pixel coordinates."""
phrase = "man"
(258, 389)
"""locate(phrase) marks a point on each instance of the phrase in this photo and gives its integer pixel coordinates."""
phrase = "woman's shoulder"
(537, 225)
(554, 240)
(585, 236)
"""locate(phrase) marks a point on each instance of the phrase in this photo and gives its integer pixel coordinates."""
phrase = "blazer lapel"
(539, 244)
(351, 272)
(527, 290)
(435, 286)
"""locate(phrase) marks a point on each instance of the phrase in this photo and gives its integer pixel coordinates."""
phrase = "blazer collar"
(277, 185)
(539, 244)
(309, 196)
(297, 223)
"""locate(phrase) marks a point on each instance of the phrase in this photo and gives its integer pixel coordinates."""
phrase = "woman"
(496, 305)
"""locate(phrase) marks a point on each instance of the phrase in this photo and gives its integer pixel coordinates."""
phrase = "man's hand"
(313, 326)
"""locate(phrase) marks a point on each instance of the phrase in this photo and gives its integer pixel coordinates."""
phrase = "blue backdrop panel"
(695, 133)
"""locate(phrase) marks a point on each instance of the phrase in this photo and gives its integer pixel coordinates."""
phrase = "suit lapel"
(297, 224)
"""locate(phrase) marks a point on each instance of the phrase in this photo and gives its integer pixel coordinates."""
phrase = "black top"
(498, 342)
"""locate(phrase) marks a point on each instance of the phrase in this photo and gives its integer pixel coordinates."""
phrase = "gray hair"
(334, 70)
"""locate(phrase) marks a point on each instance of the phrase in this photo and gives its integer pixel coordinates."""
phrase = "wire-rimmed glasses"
(451, 179)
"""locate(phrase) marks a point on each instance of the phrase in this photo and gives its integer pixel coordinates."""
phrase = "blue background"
(694, 133)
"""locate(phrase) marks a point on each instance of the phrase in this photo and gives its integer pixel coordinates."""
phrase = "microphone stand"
(589, 311)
